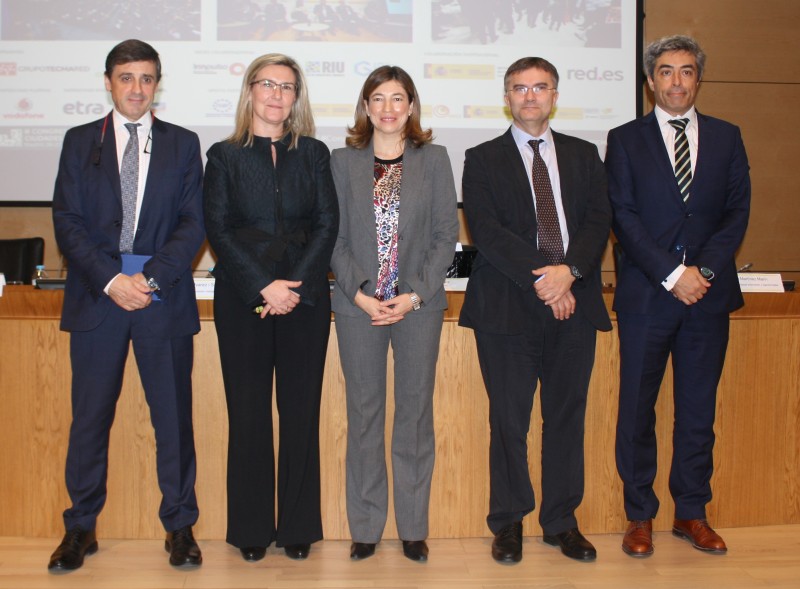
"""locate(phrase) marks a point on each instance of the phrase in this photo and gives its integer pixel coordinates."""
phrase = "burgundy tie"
(550, 243)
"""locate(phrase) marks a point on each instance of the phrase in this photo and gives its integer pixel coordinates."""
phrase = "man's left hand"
(555, 281)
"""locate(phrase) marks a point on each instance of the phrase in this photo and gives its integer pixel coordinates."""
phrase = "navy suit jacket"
(499, 206)
(651, 219)
(87, 215)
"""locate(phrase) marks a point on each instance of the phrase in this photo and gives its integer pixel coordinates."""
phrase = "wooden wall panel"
(769, 129)
(745, 40)
(757, 478)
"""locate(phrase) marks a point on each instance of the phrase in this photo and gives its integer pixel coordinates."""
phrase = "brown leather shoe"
(638, 539)
(700, 534)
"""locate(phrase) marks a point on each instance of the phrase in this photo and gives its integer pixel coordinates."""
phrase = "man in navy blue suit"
(129, 245)
(679, 186)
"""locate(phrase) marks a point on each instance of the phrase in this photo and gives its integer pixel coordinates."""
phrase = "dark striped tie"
(683, 162)
(551, 245)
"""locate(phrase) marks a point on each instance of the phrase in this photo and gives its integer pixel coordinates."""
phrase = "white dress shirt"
(548, 152)
(668, 134)
(122, 135)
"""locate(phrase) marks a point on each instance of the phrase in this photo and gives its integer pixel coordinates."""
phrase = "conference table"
(757, 454)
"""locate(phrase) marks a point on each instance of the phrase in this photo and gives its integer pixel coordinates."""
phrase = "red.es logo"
(8, 68)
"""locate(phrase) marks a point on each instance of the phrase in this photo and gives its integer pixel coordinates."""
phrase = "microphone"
(746, 267)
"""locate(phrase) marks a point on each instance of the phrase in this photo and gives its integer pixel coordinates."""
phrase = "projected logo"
(24, 111)
(54, 69)
(595, 75)
(8, 68)
(221, 108)
(206, 69)
(363, 68)
(484, 112)
(324, 68)
(458, 71)
(237, 69)
(83, 108)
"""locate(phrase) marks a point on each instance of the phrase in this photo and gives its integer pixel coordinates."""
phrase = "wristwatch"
(152, 284)
(416, 303)
(707, 273)
(575, 272)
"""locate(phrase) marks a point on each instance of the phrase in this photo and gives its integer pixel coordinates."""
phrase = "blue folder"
(133, 264)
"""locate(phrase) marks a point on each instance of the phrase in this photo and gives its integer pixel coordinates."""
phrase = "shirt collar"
(663, 117)
(146, 121)
(521, 138)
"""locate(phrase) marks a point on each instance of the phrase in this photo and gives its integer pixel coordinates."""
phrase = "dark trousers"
(560, 355)
(165, 367)
(291, 348)
(698, 342)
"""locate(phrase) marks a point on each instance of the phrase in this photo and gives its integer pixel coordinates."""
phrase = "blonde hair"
(300, 121)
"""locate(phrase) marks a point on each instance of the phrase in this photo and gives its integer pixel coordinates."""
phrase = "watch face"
(707, 273)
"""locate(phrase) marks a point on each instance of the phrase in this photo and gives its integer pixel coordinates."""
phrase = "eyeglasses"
(522, 91)
(271, 86)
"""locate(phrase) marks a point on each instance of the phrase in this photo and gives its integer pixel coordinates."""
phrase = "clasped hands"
(691, 286)
(552, 286)
(279, 298)
(384, 312)
(130, 292)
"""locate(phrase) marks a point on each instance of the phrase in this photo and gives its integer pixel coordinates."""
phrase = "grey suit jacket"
(427, 228)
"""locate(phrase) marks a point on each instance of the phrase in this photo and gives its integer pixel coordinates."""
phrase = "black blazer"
(499, 207)
(266, 222)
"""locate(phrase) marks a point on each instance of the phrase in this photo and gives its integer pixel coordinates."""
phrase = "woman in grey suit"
(397, 234)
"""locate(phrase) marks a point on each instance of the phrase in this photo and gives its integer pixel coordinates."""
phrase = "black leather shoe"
(76, 544)
(507, 543)
(182, 548)
(297, 551)
(361, 550)
(573, 544)
(253, 553)
(416, 550)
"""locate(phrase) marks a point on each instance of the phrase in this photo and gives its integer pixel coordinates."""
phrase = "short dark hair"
(129, 51)
(527, 63)
(673, 43)
(360, 134)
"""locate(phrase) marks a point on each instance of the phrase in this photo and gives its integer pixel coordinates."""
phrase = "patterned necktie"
(683, 162)
(551, 246)
(129, 182)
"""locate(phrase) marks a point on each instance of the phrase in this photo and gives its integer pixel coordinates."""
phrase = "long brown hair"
(300, 121)
(360, 134)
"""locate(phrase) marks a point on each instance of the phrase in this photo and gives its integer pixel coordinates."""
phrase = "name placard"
(204, 288)
(760, 282)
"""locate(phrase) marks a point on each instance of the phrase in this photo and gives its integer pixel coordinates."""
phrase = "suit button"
(117, 223)
(688, 215)
(115, 257)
